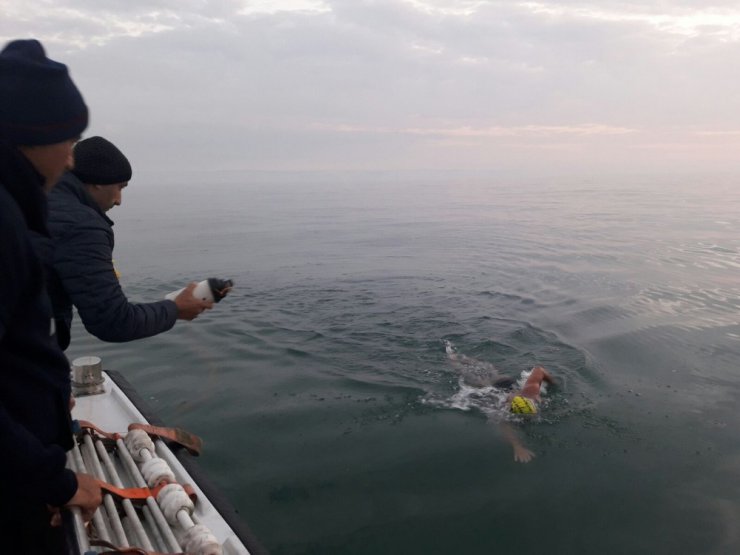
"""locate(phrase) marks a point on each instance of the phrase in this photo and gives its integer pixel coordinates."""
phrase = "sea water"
(331, 415)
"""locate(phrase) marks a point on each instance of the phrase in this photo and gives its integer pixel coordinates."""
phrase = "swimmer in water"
(524, 401)
(474, 372)
(477, 373)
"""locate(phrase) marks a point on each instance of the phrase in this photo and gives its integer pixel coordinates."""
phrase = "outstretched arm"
(521, 453)
(548, 378)
(83, 262)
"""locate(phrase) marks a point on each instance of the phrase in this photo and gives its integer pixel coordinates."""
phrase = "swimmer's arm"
(521, 453)
(547, 377)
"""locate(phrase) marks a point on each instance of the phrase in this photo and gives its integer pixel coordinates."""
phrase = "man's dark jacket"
(35, 427)
(79, 261)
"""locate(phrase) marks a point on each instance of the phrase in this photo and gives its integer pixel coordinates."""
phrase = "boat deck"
(142, 523)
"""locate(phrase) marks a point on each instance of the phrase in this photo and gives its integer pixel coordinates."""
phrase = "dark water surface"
(332, 417)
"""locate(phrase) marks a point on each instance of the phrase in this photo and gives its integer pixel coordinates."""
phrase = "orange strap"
(139, 495)
(124, 550)
(85, 425)
(189, 441)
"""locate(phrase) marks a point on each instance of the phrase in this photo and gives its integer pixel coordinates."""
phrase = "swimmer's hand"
(522, 454)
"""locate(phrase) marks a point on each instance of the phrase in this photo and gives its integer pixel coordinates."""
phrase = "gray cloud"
(393, 84)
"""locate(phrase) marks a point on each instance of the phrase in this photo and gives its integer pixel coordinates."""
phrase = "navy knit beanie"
(99, 162)
(39, 103)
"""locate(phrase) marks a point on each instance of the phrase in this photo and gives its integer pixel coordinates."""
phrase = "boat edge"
(212, 492)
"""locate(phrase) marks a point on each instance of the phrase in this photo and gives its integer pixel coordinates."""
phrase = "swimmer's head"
(523, 405)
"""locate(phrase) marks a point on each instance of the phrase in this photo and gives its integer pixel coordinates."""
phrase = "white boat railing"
(166, 521)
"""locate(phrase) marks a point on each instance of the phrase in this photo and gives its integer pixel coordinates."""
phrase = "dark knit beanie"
(99, 162)
(39, 103)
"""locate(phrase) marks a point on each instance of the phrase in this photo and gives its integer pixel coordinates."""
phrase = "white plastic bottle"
(211, 289)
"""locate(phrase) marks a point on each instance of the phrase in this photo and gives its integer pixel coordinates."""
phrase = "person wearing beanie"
(79, 255)
(42, 114)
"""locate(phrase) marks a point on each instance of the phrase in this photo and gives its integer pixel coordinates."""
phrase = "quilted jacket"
(79, 263)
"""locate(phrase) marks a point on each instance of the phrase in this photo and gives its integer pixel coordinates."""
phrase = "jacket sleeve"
(27, 467)
(11, 258)
(83, 261)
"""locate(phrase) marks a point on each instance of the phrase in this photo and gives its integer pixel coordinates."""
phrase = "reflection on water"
(329, 406)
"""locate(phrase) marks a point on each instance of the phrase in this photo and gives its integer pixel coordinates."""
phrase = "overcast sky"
(402, 84)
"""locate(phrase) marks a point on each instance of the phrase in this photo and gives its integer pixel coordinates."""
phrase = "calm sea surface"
(332, 417)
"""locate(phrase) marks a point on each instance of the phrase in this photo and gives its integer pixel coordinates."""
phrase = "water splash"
(487, 399)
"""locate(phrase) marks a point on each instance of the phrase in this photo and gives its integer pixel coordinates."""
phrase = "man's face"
(108, 196)
(51, 161)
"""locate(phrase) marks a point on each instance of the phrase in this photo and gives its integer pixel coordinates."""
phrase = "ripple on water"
(322, 384)
(686, 307)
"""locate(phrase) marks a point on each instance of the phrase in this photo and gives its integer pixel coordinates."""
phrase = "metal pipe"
(161, 449)
(79, 524)
(95, 469)
(154, 532)
(135, 473)
(169, 535)
(128, 507)
(114, 519)
(79, 466)
(183, 517)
